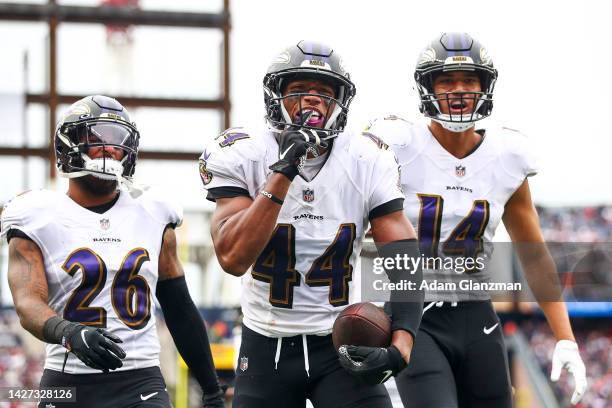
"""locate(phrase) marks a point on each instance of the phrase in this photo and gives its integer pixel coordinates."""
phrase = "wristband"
(53, 330)
(272, 197)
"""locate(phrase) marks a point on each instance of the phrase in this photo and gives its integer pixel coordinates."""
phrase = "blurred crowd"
(579, 239)
(596, 351)
(580, 224)
(19, 365)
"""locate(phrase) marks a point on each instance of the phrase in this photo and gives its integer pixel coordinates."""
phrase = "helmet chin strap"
(108, 169)
(456, 127)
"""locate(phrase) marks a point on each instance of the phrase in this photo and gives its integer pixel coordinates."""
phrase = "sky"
(553, 76)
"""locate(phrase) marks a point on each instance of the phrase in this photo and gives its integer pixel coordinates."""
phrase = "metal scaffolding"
(55, 14)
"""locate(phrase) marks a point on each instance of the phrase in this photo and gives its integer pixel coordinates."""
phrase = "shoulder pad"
(391, 129)
(230, 158)
(406, 139)
(239, 140)
(160, 208)
(377, 140)
(230, 136)
(518, 152)
(365, 146)
(235, 145)
(27, 210)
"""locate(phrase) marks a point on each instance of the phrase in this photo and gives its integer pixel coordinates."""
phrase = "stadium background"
(183, 83)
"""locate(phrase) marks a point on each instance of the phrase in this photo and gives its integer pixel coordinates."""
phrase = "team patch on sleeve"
(230, 136)
(205, 175)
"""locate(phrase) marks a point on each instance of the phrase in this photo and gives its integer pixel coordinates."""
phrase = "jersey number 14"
(464, 241)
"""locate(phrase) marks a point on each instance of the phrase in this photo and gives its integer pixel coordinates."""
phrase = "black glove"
(292, 145)
(216, 399)
(373, 365)
(94, 347)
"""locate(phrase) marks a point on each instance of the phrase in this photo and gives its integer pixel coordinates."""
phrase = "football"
(362, 324)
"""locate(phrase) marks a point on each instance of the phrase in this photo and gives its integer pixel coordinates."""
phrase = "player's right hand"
(96, 348)
(373, 365)
(292, 145)
(215, 400)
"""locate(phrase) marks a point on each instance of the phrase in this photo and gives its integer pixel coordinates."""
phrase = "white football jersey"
(307, 273)
(101, 269)
(455, 204)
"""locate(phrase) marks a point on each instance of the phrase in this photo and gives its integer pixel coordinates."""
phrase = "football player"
(83, 268)
(459, 183)
(293, 201)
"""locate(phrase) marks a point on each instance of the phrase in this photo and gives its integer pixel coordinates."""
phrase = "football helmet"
(96, 121)
(455, 52)
(308, 60)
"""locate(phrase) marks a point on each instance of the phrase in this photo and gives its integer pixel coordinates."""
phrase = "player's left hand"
(566, 355)
(96, 348)
(374, 365)
(216, 399)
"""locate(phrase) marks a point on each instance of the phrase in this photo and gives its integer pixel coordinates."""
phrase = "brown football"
(362, 324)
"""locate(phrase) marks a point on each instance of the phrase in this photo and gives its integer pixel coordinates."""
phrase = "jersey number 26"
(130, 292)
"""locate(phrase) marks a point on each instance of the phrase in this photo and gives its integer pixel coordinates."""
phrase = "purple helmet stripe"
(451, 44)
(316, 50)
(325, 51)
(464, 44)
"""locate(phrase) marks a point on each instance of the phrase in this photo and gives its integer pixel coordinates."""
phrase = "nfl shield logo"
(244, 363)
(460, 171)
(308, 195)
(104, 223)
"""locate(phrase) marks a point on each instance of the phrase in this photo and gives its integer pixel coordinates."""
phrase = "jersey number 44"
(276, 266)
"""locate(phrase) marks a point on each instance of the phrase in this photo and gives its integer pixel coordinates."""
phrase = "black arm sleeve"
(15, 233)
(188, 331)
(387, 208)
(406, 306)
(226, 192)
